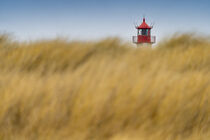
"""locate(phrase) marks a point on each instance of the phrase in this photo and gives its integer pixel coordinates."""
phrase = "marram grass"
(106, 90)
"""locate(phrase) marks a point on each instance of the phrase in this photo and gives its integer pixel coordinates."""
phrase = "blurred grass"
(105, 90)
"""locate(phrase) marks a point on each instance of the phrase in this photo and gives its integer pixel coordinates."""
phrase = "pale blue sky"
(96, 19)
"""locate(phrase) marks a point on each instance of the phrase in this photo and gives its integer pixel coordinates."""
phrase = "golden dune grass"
(106, 90)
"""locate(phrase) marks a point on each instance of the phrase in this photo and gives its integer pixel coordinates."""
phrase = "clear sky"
(96, 19)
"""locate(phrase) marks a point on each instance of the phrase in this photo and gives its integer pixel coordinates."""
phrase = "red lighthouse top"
(144, 25)
(144, 34)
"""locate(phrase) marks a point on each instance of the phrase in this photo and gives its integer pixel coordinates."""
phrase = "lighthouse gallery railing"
(152, 39)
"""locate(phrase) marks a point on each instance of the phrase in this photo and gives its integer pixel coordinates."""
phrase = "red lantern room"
(144, 34)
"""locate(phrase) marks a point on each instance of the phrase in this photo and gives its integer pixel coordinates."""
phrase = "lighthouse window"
(144, 32)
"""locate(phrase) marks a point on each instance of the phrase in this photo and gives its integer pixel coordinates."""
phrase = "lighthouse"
(144, 37)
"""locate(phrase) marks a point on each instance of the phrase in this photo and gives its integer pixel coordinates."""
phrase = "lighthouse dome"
(144, 25)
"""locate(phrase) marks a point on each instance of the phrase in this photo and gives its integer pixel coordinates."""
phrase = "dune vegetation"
(105, 90)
